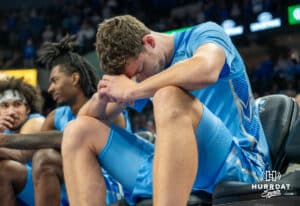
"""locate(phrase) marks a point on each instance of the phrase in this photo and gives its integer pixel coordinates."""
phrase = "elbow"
(208, 75)
(212, 78)
(208, 70)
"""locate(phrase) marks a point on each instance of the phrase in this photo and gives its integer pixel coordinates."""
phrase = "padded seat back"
(278, 114)
(292, 148)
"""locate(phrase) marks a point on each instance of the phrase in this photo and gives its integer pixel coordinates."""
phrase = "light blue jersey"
(230, 98)
(62, 116)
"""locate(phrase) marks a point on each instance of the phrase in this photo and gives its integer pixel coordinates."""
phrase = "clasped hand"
(117, 88)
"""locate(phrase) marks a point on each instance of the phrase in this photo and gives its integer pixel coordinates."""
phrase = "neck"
(80, 100)
(166, 45)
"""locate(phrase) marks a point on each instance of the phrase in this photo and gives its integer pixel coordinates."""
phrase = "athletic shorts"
(26, 196)
(128, 158)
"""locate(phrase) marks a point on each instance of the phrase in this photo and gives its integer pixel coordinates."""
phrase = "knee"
(73, 136)
(9, 170)
(80, 135)
(171, 103)
(4, 169)
(46, 162)
(167, 102)
(166, 95)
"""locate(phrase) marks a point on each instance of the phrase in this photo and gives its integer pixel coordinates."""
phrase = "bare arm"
(50, 139)
(49, 122)
(199, 71)
(99, 108)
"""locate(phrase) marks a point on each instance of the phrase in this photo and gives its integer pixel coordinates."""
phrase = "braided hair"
(62, 54)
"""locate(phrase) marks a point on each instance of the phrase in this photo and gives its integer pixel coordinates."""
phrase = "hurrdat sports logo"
(271, 186)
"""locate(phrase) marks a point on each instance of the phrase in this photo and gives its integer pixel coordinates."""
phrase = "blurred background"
(266, 32)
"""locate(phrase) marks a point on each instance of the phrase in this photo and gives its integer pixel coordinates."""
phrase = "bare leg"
(176, 159)
(13, 177)
(47, 177)
(82, 141)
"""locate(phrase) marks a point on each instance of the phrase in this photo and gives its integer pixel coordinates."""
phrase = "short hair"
(32, 95)
(118, 39)
(53, 54)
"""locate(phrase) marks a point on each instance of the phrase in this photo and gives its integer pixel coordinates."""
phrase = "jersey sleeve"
(213, 33)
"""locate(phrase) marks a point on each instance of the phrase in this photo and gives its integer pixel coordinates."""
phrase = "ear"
(75, 78)
(148, 39)
(28, 110)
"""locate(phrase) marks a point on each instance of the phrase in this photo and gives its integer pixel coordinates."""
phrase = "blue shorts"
(26, 196)
(128, 158)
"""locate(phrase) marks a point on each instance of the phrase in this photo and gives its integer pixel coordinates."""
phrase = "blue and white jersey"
(62, 116)
(230, 98)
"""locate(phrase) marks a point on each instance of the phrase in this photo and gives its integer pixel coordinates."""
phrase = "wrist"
(133, 92)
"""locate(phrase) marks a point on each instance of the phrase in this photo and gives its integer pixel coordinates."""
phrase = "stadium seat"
(279, 115)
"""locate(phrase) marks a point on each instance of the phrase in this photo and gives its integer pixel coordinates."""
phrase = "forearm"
(17, 155)
(188, 75)
(32, 141)
(201, 70)
(99, 109)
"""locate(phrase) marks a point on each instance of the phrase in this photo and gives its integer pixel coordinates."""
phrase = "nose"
(11, 110)
(50, 89)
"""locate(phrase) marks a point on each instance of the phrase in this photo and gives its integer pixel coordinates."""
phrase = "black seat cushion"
(197, 198)
(293, 144)
(277, 114)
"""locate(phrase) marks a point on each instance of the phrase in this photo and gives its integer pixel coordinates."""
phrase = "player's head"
(119, 39)
(69, 71)
(18, 99)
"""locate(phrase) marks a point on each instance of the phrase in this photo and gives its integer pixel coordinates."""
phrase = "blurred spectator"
(235, 9)
(257, 6)
(262, 75)
(86, 36)
(29, 54)
(297, 98)
(48, 34)
(295, 63)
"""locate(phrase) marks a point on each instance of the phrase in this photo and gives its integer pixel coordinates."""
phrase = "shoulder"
(33, 124)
